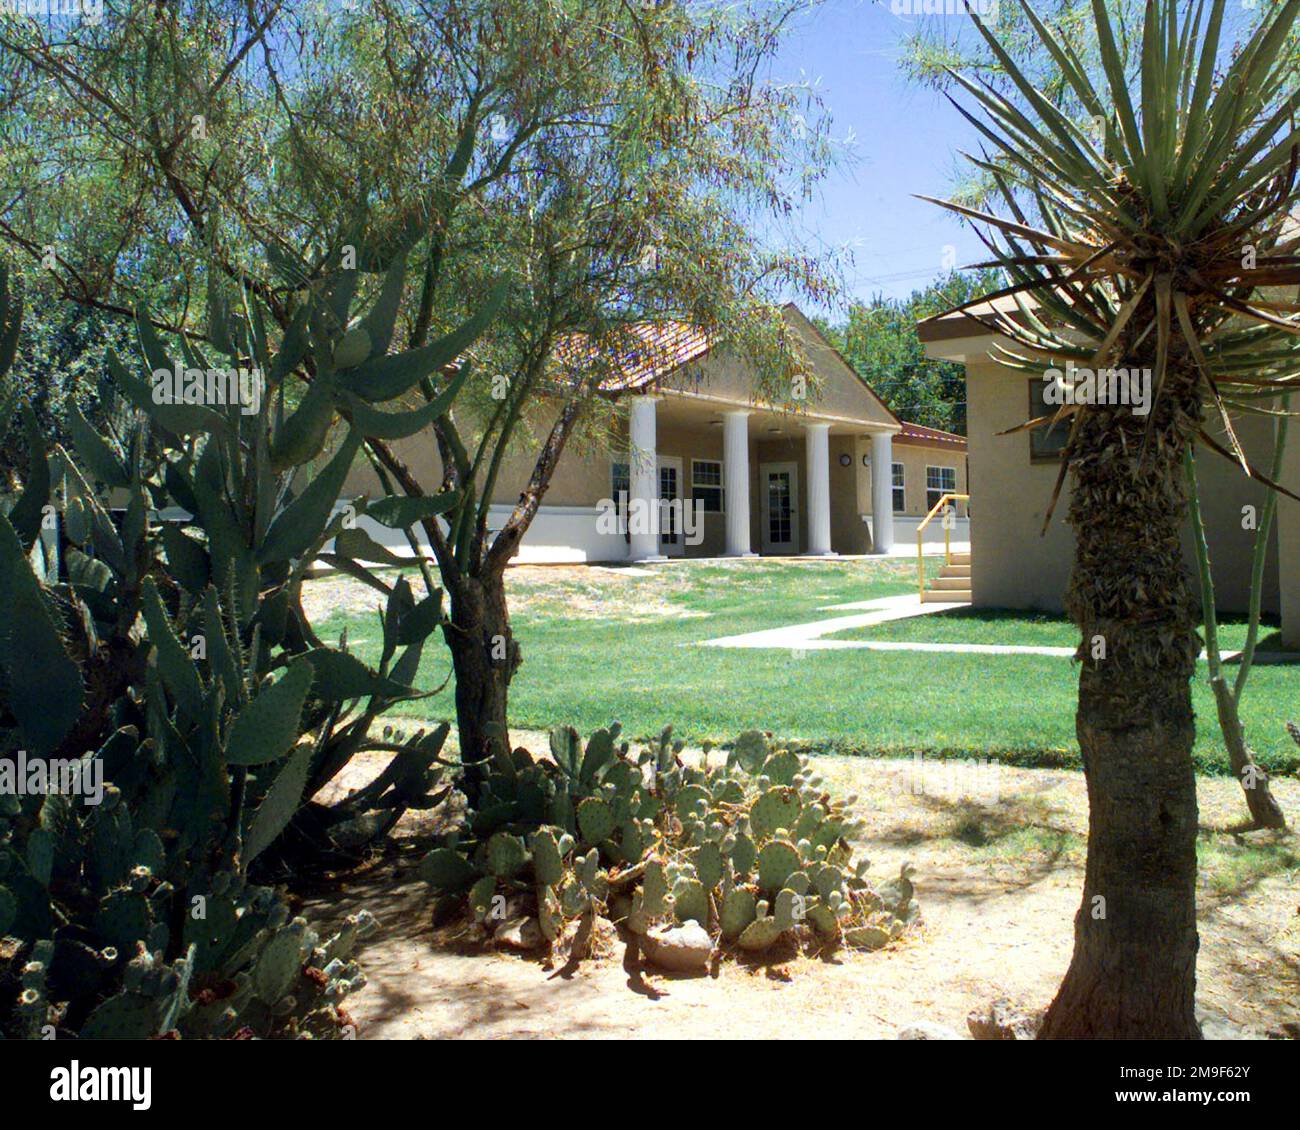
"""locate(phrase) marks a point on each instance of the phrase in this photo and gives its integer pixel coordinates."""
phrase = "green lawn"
(600, 645)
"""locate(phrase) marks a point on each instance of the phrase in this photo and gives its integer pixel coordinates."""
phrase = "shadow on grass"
(1232, 866)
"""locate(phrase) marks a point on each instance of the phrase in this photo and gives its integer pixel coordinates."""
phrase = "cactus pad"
(595, 820)
(777, 861)
(691, 901)
(776, 808)
(505, 855)
(738, 911)
(759, 935)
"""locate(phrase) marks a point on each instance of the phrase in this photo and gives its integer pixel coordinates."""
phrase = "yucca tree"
(1152, 231)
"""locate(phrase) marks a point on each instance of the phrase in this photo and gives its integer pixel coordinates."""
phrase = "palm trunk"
(1133, 973)
(485, 656)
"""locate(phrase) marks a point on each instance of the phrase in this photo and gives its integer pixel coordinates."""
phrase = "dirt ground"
(999, 866)
(579, 591)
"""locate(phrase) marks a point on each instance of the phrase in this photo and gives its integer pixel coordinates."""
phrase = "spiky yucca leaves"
(1145, 237)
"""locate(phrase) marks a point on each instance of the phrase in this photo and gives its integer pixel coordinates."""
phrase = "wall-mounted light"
(845, 458)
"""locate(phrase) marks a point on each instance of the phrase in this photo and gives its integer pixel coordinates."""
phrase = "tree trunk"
(1133, 973)
(484, 656)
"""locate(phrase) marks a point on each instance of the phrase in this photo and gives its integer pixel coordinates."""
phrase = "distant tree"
(879, 339)
(61, 362)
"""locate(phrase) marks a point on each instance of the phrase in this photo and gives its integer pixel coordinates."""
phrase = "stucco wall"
(581, 477)
(915, 460)
(1013, 567)
(1288, 540)
(836, 390)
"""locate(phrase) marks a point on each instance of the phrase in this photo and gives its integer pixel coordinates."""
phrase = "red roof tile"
(927, 437)
(651, 352)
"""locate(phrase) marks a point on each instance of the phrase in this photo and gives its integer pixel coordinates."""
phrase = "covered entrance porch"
(706, 477)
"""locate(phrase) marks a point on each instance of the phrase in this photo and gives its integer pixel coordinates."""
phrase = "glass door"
(780, 508)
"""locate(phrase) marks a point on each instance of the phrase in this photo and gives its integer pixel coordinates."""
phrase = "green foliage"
(646, 838)
(167, 659)
(879, 340)
(59, 374)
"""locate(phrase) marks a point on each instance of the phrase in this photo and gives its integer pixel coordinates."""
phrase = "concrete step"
(955, 571)
(960, 559)
(947, 583)
(946, 596)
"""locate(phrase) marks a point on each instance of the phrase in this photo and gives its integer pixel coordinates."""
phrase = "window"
(706, 484)
(1045, 443)
(938, 482)
(900, 500)
(620, 485)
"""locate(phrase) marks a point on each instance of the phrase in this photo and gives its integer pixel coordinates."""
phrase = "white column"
(882, 492)
(819, 490)
(735, 478)
(643, 471)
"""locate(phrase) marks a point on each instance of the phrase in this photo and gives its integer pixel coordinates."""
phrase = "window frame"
(898, 487)
(720, 486)
(938, 492)
(615, 482)
(1038, 437)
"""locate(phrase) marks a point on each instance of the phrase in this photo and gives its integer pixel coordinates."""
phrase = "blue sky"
(907, 141)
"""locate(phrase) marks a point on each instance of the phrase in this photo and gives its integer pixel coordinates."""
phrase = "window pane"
(938, 482)
(706, 484)
(668, 517)
(711, 497)
(1045, 442)
(620, 483)
(900, 493)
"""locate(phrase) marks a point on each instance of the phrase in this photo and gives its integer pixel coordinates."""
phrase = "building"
(1013, 565)
(740, 478)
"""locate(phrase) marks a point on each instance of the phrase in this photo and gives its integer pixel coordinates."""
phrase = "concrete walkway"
(804, 637)
(808, 637)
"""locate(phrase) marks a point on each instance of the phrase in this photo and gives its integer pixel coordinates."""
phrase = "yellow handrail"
(944, 500)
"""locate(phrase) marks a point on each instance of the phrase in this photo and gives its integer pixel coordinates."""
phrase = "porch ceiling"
(697, 413)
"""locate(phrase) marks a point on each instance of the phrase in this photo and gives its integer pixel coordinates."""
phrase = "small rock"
(681, 949)
(1002, 1020)
(928, 1030)
(519, 933)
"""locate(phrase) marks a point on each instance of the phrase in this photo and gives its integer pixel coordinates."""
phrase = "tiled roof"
(927, 437)
(651, 352)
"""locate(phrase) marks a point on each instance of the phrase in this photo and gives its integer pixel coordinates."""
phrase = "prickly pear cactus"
(166, 658)
(755, 850)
